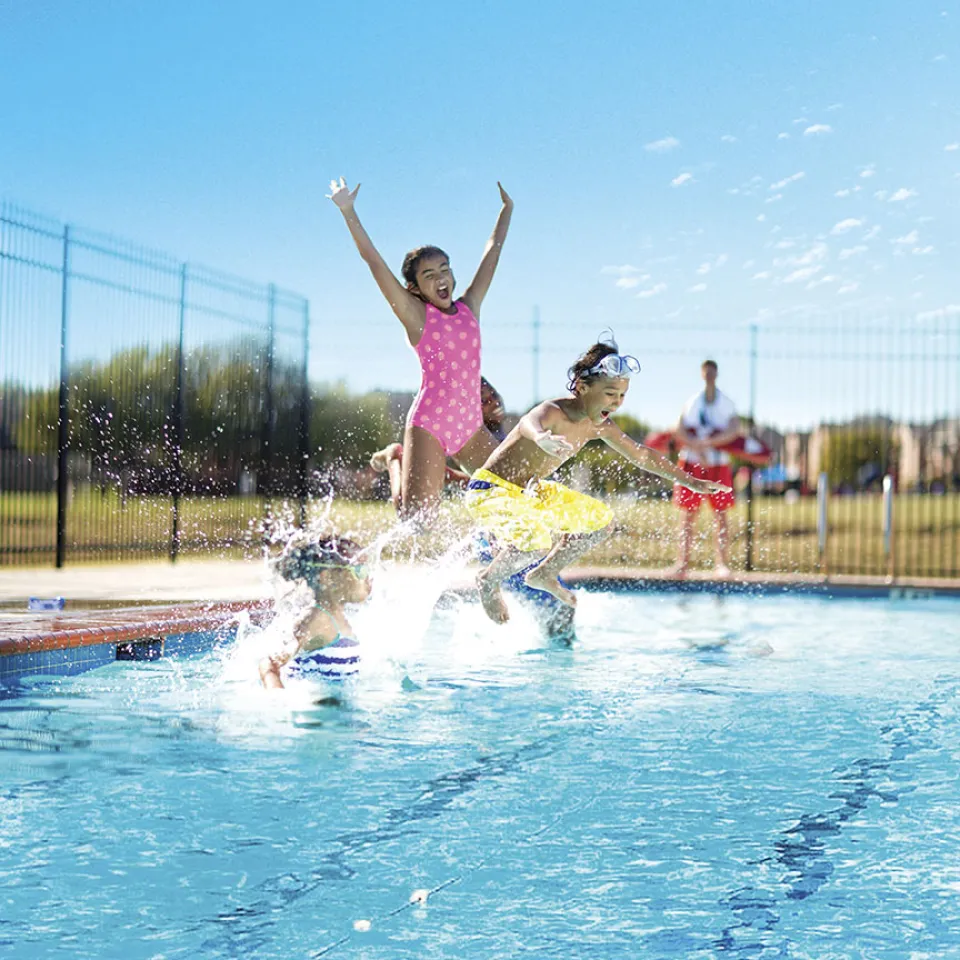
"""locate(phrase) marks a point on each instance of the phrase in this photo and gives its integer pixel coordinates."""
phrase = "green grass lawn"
(927, 540)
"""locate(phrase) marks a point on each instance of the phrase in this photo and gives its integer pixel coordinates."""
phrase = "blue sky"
(694, 165)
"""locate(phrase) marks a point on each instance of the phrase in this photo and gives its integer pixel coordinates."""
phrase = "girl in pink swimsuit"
(445, 418)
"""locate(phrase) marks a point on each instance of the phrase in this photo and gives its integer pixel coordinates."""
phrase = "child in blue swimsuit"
(324, 646)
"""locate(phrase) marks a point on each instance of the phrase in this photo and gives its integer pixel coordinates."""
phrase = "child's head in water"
(332, 567)
(600, 379)
(428, 276)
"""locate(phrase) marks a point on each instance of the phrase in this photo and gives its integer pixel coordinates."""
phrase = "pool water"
(696, 777)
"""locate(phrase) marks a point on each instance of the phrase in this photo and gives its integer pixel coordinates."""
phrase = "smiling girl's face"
(435, 281)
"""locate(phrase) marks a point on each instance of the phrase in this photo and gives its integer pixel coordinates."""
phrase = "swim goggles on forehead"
(615, 365)
(360, 570)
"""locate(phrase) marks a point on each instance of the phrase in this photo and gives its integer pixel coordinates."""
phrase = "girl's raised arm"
(491, 256)
(409, 309)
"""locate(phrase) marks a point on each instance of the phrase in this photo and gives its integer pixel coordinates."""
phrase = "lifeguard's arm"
(537, 426)
(480, 284)
(409, 310)
(686, 437)
(653, 462)
(731, 432)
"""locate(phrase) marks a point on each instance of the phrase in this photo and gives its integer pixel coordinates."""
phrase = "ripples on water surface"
(749, 777)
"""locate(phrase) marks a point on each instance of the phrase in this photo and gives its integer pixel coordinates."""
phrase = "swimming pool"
(697, 777)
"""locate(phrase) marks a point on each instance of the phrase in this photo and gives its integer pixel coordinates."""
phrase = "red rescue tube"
(748, 449)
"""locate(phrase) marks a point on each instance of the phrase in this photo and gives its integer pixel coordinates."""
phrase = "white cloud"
(880, 195)
(662, 146)
(902, 194)
(849, 287)
(783, 136)
(868, 171)
(874, 231)
(620, 270)
(941, 313)
(818, 129)
(774, 198)
(922, 251)
(950, 147)
(783, 244)
(728, 138)
(939, 57)
(721, 260)
(709, 265)
(698, 288)
(804, 273)
(800, 120)
(816, 253)
(907, 239)
(849, 252)
(628, 283)
(847, 191)
(822, 281)
(762, 275)
(747, 264)
(761, 218)
(844, 225)
(834, 106)
(681, 180)
(780, 184)
(657, 288)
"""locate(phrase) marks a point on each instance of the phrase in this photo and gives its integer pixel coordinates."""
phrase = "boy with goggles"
(539, 521)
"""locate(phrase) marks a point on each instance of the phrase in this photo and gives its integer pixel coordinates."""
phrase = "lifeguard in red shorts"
(708, 421)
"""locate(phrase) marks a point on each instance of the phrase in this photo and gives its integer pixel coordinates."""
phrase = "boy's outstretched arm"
(653, 462)
(480, 284)
(409, 310)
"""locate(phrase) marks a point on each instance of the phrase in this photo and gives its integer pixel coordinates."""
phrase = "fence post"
(304, 438)
(63, 422)
(888, 524)
(823, 495)
(265, 477)
(178, 423)
(748, 561)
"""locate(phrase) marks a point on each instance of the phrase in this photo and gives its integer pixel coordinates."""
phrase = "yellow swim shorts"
(529, 519)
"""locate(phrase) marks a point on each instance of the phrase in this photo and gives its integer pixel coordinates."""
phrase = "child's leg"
(688, 521)
(475, 452)
(508, 561)
(424, 466)
(564, 552)
(722, 568)
(389, 460)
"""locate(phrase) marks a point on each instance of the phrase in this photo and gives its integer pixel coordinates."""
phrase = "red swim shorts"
(688, 500)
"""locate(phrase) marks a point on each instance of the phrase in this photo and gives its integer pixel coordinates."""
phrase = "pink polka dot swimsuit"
(448, 404)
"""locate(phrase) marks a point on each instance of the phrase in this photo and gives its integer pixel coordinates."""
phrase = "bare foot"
(544, 581)
(721, 571)
(492, 600)
(677, 572)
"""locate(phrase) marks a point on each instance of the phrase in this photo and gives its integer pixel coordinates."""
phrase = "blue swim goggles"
(615, 365)
(361, 571)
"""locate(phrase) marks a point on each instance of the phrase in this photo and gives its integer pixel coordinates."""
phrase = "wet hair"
(589, 359)
(304, 554)
(412, 261)
(710, 363)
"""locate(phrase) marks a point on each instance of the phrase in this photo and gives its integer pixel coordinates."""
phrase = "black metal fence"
(862, 413)
(147, 406)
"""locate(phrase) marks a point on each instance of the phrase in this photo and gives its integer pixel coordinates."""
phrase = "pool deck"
(127, 602)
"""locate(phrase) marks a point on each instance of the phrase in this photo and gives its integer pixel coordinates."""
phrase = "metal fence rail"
(147, 406)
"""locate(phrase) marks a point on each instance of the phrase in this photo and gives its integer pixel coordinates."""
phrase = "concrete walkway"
(157, 581)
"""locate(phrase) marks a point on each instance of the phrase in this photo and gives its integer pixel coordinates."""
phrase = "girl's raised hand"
(504, 196)
(342, 195)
